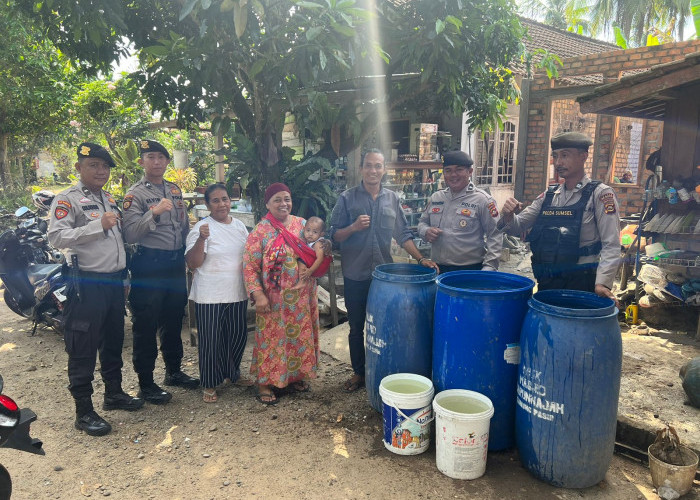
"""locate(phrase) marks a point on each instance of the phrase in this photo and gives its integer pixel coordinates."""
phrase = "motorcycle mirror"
(21, 211)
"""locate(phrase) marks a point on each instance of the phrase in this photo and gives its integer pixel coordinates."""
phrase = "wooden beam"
(647, 88)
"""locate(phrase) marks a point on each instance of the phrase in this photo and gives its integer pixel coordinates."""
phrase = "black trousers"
(355, 293)
(157, 301)
(576, 278)
(448, 268)
(95, 324)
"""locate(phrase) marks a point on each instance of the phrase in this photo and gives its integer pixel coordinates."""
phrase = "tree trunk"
(5, 175)
(20, 171)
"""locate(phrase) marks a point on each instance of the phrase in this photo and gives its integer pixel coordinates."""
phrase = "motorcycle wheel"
(5, 484)
(13, 305)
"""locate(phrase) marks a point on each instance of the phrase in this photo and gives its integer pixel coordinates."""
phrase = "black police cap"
(459, 158)
(91, 150)
(148, 146)
(574, 140)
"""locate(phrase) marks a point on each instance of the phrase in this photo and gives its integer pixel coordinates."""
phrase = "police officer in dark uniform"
(85, 222)
(155, 217)
(574, 227)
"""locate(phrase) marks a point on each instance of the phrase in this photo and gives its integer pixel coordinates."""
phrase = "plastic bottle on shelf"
(672, 195)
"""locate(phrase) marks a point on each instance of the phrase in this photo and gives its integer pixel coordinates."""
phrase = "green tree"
(111, 111)
(36, 85)
(248, 62)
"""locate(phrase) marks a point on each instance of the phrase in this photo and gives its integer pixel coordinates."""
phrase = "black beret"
(459, 158)
(148, 146)
(575, 140)
(91, 150)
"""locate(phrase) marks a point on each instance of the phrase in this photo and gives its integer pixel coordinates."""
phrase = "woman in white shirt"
(214, 252)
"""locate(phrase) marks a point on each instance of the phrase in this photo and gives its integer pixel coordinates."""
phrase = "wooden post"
(220, 167)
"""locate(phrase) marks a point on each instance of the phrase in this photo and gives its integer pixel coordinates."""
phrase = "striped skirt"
(222, 334)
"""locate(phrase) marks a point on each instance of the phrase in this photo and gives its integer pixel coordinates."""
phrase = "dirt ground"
(318, 445)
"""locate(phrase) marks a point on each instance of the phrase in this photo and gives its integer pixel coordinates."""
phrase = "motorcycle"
(14, 433)
(34, 288)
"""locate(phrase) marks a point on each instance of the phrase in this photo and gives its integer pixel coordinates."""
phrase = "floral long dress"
(286, 338)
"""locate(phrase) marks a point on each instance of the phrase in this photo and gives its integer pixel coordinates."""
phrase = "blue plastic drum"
(568, 387)
(399, 324)
(478, 318)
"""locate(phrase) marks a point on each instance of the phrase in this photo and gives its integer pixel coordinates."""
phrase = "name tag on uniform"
(90, 207)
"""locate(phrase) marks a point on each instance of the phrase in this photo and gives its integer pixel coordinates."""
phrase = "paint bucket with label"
(462, 420)
(407, 412)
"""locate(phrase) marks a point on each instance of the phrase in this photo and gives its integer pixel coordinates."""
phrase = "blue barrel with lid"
(568, 387)
(398, 324)
(476, 335)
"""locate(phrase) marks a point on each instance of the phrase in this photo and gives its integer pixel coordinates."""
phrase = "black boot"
(117, 399)
(175, 377)
(86, 419)
(151, 392)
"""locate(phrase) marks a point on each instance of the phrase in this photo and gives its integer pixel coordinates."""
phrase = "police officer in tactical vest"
(85, 223)
(574, 227)
(155, 218)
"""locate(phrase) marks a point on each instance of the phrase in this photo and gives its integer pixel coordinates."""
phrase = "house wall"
(575, 79)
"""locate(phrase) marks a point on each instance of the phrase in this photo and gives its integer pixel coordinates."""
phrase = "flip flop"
(353, 385)
(300, 386)
(210, 396)
(266, 398)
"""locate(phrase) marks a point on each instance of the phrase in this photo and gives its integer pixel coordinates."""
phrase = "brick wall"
(547, 103)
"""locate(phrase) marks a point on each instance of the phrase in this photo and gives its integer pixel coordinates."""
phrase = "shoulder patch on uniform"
(60, 213)
(64, 203)
(608, 200)
(128, 199)
(492, 209)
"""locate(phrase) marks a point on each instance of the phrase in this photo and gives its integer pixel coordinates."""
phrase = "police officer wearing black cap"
(574, 227)
(85, 223)
(460, 221)
(155, 218)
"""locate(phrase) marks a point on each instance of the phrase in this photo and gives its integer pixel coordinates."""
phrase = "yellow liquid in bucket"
(463, 404)
(405, 386)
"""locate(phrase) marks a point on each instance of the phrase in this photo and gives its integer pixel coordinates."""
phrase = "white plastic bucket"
(407, 412)
(462, 420)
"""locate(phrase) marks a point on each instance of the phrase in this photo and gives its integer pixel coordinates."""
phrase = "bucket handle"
(398, 410)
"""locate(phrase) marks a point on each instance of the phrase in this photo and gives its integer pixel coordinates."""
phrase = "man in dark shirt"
(363, 222)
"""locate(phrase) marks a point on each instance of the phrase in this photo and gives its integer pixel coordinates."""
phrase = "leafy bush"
(185, 178)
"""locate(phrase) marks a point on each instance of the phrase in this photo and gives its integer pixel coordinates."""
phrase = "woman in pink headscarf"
(286, 332)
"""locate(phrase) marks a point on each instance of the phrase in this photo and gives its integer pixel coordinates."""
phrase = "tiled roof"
(560, 42)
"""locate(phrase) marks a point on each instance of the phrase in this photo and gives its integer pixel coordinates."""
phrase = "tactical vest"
(555, 236)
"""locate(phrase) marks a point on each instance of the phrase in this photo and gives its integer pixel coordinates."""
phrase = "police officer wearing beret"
(85, 223)
(574, 227)
(155, 218)
(460, 221)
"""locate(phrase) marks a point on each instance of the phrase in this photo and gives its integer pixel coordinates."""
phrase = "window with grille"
(495, 163)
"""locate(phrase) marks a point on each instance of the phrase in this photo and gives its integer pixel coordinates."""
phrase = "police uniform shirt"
(168, 231)
(601, 222)
(75, 227)
(465, 218)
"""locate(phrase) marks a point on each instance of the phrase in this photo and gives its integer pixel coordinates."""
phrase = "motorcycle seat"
(38, 272)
